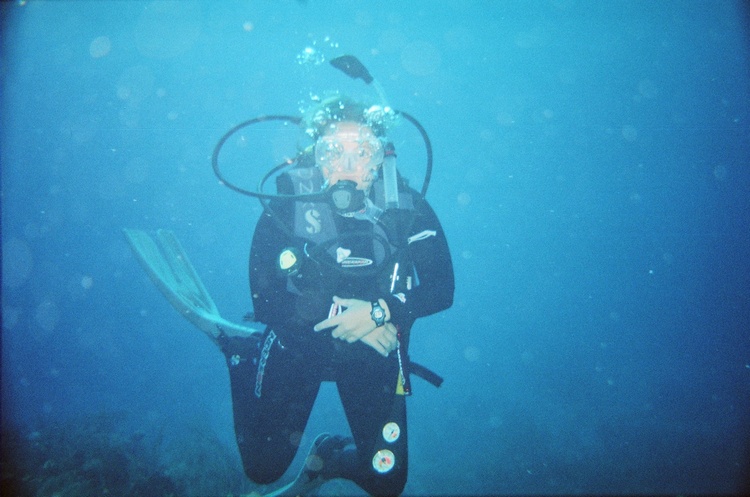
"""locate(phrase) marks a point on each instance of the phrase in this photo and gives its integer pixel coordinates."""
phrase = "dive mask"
(349, 151)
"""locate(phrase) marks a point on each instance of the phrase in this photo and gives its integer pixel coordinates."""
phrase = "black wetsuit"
(276, 381)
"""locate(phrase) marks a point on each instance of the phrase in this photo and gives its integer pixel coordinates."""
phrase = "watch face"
(377, 314)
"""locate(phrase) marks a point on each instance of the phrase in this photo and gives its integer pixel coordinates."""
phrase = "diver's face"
(349, 151)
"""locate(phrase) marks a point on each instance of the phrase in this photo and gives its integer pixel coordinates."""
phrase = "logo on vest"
(312, 217)
(344, 258)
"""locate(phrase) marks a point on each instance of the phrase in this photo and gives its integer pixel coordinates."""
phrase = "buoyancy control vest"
(322, 257)
(316, 228)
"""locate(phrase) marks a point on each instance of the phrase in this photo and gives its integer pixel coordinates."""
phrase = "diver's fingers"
(326, 323)
(343, 302)
(387, 341)
(375, 344)
(379, 348)
(391, 330)
(386, 345)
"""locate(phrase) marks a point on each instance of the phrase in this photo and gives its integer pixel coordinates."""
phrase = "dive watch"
(377, 314)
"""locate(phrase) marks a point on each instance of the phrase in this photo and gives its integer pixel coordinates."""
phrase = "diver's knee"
(260, 467)
(262, 473)
(386, 486)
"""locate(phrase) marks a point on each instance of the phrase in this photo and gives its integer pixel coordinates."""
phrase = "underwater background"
(592, 173)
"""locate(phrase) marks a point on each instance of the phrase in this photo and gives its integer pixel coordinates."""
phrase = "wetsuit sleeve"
(267, 284)
(434, 272)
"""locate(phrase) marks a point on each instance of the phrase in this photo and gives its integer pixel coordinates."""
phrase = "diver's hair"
(340, 108)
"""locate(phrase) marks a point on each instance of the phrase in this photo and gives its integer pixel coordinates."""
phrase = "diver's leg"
(377, 417)
(273, 393)
(321, 465)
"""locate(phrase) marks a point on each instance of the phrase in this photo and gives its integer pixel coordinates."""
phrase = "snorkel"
(353, 68)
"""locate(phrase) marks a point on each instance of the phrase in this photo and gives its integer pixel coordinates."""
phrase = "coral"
(95, 455)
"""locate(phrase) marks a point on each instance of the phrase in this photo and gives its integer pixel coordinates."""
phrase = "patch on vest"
(344, 258)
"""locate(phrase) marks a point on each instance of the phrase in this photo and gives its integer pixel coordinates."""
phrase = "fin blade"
(185, 279)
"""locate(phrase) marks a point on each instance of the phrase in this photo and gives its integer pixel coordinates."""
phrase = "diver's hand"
(383, 339)
(352, 324)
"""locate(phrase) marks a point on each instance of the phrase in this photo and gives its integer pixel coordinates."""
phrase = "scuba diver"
(339, 284)
(344, 259)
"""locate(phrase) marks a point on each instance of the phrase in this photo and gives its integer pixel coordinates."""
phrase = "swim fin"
(169, 268)
(310, 476)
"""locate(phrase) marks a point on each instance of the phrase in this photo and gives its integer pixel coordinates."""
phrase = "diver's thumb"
(342, 302)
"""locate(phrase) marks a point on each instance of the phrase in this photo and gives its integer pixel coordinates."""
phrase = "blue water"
(591, 174)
